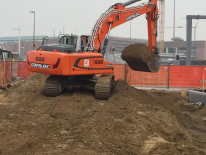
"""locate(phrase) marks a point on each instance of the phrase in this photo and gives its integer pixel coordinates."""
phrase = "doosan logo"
(133, 16)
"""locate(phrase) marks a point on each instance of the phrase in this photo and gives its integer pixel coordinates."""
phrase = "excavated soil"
(131, 122)
(137, 50)
(138, 56)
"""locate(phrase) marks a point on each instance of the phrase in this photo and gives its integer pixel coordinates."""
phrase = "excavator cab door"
(72, 40)
(62, 40)
(1, 56)
(84, 41)
(6, 55)
(9, 56)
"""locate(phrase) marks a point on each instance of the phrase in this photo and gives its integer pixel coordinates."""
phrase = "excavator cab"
(69, 40)
(5, 55)
(78, 41)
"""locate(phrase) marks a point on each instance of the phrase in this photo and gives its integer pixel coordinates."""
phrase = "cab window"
(5, 56)
(1, 56)
(62, 40)
(72, 41)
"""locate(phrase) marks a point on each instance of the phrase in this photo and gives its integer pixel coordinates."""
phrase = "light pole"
(195, 31)
(63, 29)
(54, 33)
(34, 27)
(19, 40)
(174, 50)
(179, 27)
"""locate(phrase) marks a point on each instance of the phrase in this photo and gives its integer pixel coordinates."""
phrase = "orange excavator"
(68, 68)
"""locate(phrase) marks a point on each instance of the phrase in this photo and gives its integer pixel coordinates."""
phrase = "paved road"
(162, 88)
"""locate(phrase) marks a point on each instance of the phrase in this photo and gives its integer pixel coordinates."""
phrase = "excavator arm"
(119, 14)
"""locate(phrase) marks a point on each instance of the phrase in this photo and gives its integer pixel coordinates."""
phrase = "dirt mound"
(131, 122)
(140, 58)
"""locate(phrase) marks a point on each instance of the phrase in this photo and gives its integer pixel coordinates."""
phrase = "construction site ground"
(131, 122)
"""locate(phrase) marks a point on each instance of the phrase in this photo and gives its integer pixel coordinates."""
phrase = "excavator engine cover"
(59, 47)
(140, 58)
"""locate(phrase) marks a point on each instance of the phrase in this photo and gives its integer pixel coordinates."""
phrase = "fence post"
(203, 90)
(168, 76)
(11, 69)
(125, 72)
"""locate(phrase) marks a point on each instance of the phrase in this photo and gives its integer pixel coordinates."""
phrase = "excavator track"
(104, 86)
(53, 86)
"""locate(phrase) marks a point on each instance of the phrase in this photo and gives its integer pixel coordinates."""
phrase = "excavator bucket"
(140, 58)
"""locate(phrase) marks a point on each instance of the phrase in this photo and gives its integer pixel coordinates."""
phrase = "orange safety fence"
(5, 73)
(144, 79)
(22, 70)
(120, 71)
(179, 76)
(186, 76)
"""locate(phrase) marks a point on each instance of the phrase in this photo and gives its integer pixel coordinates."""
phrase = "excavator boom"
(119, 14)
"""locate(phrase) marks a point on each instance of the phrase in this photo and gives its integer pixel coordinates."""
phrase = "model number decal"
(133, 16)
(44, 66)
(108, 65)
(98, 61)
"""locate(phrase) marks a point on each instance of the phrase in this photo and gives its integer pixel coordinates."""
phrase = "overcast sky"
(82, 15)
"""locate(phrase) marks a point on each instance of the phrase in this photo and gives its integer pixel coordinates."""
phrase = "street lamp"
(19, 40)
(174, 50)
(34, 27)
(180, 27)
(63, 29)
(195, 31)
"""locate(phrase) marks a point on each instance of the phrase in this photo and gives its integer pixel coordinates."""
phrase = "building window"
(170, 50)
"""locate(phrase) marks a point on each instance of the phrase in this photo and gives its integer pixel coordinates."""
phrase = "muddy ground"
(131, 122)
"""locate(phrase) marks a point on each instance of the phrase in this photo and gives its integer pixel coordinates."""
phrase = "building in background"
(26, 44)
(198, 50)
(114, 48)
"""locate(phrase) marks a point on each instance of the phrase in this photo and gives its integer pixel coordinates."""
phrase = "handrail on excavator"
(130, 2)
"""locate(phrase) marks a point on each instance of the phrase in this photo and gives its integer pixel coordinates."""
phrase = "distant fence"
(22, 70)
(19, 69)
(186, 76)
(5, 73)
(172, 76)
(168, 76)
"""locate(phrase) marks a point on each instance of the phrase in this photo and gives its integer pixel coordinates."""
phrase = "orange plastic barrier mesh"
(143, 79)
(2, 79)
(5, 76)
(119, 71)
(186, 76)
(179, 76)
(22, 70)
